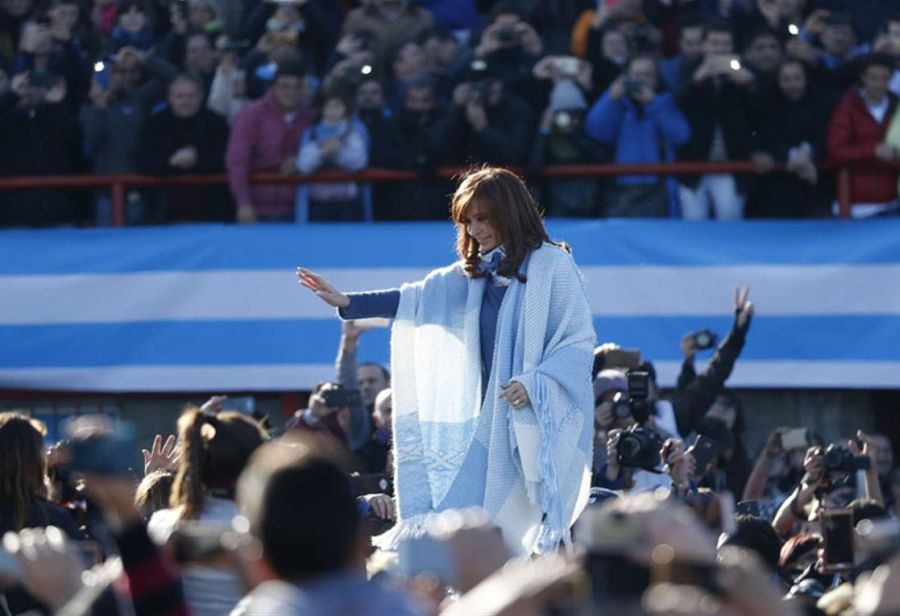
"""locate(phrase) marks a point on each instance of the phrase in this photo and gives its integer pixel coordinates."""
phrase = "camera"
(838, 460)
(633, 86)
(508, 36)
(639, 447)
(704, 339)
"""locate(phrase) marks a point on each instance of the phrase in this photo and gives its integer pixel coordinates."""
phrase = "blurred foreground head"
(300, 506)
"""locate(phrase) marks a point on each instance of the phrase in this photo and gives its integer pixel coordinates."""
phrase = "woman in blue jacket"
(643, 126)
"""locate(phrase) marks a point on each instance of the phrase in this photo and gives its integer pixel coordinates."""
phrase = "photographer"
(697, 393)
(112, 119)
(40, 136)
(561, 139)
(634, 447)
(512, 47)
(408, 141)
(485, 122)
(831, 480)
(644, 126)
(716, 96)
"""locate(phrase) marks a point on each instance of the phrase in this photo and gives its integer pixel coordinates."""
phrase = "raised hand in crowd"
(161, 456)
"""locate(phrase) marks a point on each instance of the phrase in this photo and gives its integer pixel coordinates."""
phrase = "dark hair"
(214, 451)
(22, 464)
(511, 210)
(186, 77)
(126, 5)
(507, 7)
(419, 83)
(441, 34)
(193, 33)
(289, 69)
(301, 507)
(756, 534)
(717, 25)
(344, 92)
(384, 371)
(691, 21)
(762, 32)
(876, 59)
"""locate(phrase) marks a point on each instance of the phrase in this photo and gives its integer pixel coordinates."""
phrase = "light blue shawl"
(530, 468)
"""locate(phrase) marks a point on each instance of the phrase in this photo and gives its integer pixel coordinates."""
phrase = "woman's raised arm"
(322, 288)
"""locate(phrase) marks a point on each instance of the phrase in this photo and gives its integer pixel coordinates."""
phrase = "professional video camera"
(638, 447)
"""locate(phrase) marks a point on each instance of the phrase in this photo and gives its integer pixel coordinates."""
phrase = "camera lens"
(621, 406)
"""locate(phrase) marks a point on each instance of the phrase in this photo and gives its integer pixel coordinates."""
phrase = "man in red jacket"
(856, 136)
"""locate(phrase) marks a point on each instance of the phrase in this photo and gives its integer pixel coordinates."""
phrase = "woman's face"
(479, 228)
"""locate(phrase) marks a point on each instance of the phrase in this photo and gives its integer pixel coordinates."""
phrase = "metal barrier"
(118, 184)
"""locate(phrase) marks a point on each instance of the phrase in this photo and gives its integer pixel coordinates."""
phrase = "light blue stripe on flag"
(212, 307)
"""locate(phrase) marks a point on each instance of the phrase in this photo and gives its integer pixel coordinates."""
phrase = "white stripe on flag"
(178, 296)
(789, 290)
(275, 294)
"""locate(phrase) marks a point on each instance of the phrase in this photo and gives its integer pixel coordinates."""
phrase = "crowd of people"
(225, 516)
(187, 87)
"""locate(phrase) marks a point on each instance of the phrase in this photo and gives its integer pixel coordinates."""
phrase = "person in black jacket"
(716, 95)
(39, 135)
(696, 393)
(186, 139)
(792, 132)
(408, 141)
(485, 123)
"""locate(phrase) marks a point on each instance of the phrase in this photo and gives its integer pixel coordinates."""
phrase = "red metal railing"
(118, 184)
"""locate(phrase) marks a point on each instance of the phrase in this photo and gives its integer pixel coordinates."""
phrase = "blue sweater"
(384, 304)
(639, 136)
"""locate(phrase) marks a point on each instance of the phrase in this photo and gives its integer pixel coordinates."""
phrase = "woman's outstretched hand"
(322, 288)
